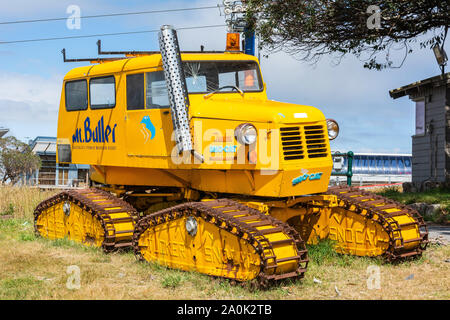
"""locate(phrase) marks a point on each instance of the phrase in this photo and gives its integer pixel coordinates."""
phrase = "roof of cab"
(145, 62)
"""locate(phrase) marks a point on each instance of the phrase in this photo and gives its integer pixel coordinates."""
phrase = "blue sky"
(31, 73)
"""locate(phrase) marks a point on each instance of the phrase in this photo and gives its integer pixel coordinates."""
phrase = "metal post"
(349, 167)
(249, 44)
(349, 174)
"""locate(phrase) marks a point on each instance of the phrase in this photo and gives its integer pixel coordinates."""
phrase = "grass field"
(37, 268)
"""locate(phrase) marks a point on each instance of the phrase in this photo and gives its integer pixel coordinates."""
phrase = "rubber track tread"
(84, 198)
(354, 197)
(236, 226)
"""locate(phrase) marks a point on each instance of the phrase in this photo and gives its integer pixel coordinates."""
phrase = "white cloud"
(30, 87)
(29, 104)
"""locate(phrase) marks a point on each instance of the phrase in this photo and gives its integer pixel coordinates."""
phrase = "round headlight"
(245, 133)
(333, 129)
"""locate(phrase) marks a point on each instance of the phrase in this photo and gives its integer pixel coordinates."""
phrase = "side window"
(156, 91)
(248, 80)
(102, 92)
(76, 95)
(135, 92)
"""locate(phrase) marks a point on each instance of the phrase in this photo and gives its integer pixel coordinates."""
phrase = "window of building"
(372, 165)
(394, 166)
(135, 91)
(420, 117)
(76, 95)
(401, 165)
(387, 166)
(408, 165)
(380, 167)
(102, 92)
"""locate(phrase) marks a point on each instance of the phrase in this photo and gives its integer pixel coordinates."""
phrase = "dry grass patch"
(35, 268)
(20, 202)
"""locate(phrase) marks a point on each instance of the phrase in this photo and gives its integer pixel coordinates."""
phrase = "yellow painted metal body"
(133, 159)
(214, 250)
(79, 225)
(352, 229)
(170, 245)
(91, 217)
(129, 158)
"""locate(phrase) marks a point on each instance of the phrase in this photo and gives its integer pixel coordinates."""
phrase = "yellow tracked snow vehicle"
(194, 168)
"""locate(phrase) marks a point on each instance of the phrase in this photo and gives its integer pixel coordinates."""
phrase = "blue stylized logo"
(147, 126)
(100, 133)
(306, 176)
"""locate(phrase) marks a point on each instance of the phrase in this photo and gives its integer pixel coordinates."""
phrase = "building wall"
(429, 151)
(447, 135)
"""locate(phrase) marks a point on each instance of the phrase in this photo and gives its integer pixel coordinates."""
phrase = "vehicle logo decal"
(147, 126)
(100, 133)
(306, 176)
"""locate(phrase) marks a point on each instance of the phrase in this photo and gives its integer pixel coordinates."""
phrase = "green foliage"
(9, 210)
(172, 280)
(324, 254)
(438, 195)
(27, 236)
(19, 288)
(435, 196)
(16, 160)
(364, 28)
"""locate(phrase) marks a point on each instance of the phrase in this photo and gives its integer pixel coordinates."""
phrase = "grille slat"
(315, 141)
(297, 146)
(290, 138)
(290, 153)
(292, 143)
(315, 136)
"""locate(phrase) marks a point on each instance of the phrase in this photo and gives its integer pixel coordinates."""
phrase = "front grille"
(292, 143)
(313, 143)
(316, 142)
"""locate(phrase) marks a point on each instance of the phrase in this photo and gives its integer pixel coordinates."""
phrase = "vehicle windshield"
(209, 76)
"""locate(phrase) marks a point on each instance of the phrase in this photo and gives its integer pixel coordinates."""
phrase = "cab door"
(148, 118)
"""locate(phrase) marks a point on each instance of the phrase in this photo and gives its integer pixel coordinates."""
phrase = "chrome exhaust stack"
(177, 89)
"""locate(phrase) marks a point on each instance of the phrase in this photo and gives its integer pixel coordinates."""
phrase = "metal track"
(374, 207)
(100, 204)
(243, 222)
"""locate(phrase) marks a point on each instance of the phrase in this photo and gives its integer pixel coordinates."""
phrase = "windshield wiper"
(206, 96)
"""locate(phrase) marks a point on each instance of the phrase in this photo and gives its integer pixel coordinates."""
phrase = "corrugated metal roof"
(44, 147)
(414, 87)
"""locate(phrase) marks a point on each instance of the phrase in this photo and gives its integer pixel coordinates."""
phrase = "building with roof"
(431, 140)
(54, 175)
(373, 169)
(3, 131)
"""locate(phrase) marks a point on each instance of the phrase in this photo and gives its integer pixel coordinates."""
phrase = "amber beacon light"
(233, 42)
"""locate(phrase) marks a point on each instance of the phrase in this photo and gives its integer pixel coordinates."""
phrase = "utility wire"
(111, 15)
(107, 34)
